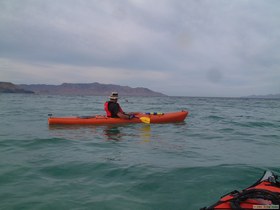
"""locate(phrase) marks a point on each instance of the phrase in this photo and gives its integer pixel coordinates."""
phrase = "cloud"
(193, 47)
(59, 73)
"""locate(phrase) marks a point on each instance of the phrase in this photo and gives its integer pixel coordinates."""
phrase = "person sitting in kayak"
(114, 110)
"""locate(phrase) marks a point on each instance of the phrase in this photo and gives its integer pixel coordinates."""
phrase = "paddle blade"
(145, 120)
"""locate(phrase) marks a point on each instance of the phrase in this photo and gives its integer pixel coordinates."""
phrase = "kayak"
(154, 117)
(264, 194)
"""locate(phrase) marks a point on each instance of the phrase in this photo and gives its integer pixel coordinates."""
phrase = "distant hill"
(89, 89)
(8, 87)
(264, 96)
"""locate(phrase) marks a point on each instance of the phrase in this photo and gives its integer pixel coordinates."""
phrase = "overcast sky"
(177, 47)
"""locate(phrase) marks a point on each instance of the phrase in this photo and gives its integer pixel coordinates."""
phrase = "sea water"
(224, 144)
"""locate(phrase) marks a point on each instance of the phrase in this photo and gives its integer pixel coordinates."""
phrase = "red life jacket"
(106, 108)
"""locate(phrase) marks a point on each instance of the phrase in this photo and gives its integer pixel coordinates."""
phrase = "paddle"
(146, 120)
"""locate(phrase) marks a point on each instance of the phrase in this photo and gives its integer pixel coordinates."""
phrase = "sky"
(212, 48)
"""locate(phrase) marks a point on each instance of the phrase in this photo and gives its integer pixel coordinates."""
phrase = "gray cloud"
(210, 48)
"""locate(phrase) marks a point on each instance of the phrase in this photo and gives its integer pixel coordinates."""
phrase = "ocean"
(225, 144)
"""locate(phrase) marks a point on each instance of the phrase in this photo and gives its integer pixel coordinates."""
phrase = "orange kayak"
(264, 194)
(170, 117)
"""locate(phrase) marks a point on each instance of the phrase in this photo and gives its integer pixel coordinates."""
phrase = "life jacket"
(264, 194)
(106, 108)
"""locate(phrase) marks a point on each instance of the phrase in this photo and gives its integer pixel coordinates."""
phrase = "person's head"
(114, 96)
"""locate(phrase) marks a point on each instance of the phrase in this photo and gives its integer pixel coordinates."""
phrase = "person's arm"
(124, 116)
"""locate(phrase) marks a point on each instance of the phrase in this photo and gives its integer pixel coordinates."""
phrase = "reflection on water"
(118, 133)
(112, 133)
(104, 132)
(145, 133)
(73, 132)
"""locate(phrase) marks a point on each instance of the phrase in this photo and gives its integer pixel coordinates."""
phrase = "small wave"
(261, 124)
(215, 117)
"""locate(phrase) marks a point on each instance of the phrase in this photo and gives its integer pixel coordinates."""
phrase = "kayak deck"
(170, 117)
(264, 194)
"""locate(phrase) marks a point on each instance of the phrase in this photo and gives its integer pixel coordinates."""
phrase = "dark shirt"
(114, 108)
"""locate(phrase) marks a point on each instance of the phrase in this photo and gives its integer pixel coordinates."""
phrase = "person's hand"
(131, 116)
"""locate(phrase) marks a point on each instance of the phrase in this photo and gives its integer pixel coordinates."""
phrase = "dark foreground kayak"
(264, 194)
